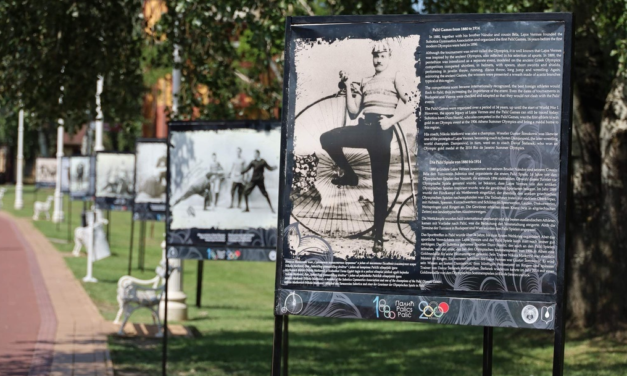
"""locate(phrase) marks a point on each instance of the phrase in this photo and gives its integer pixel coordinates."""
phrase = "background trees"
(54, 50)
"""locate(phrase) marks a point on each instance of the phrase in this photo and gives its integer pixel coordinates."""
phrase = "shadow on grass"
(403, 349)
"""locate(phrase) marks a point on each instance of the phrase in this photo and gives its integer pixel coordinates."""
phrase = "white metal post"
(91, 247)
(176, 80)
(177, 308)
(19, 202)
(57, 214)
(99, 116)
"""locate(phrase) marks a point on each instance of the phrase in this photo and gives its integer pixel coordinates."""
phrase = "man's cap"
(381, 46)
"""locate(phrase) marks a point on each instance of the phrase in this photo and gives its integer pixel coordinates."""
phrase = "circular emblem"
(293, 303)
(530, 314)
(272, 255)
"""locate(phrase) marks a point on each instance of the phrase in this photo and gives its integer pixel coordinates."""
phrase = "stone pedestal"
(177, 308)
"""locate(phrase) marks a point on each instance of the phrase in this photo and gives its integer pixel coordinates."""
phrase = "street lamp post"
(57, 214)
(99, 117)
(19, 202)
(177, 308)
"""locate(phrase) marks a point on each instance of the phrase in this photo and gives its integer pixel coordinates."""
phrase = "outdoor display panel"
(223, 184)
(115, 178)
(150, 179)
(82, 177)
(425, 169)
(65, 175)
(45, 172)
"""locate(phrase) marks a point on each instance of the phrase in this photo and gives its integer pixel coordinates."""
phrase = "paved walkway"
(48, 323)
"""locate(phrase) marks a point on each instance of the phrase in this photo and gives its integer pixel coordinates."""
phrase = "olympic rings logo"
(432, 310)
(386, 310)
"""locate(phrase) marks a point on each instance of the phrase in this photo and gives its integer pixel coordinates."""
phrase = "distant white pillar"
(19, 202)
(176, 80)
(57, 214)
(99, 116)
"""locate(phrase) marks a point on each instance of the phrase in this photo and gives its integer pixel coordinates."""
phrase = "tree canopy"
(53, 51)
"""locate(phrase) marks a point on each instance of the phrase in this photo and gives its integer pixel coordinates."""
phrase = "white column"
(57, 214)
(99, 116)
(176, 80)
(177, 308)
(19, 202)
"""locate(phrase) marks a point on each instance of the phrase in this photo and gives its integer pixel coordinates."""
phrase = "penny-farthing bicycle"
(346, 211)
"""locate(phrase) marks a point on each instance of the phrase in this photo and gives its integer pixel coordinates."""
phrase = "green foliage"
(232, 47)
(56, 49)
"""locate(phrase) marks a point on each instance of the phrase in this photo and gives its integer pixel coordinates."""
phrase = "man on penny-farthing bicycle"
(384, 99)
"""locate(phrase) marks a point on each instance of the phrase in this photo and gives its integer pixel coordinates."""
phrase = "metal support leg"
(277, 343)
(199, 278)
(487, 350)
(286, 344)
(130, 252)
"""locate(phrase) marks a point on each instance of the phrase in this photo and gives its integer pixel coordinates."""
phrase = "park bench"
(135, 293)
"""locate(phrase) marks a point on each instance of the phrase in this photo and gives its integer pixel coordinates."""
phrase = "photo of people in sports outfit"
(354, 144)
(224, 179)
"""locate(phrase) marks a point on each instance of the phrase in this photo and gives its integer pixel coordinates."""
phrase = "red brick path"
(27, 319)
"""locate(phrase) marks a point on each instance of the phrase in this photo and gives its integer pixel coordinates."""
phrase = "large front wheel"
(319, 205)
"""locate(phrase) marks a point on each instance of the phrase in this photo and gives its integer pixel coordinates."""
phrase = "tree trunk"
(613, 241)
(582, 255)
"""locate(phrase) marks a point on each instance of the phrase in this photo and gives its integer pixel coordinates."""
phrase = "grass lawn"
(236, 322)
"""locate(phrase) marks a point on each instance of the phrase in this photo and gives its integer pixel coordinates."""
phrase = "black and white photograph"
(65, 175)
(45, 172)
(355, 131)
(80, 177)
(150, 179)
(115, 178)
(224, 180)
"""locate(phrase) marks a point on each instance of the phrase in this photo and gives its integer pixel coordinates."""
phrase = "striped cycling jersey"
(380, 95)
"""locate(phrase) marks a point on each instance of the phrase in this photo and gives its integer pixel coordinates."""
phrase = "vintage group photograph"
(224, 179)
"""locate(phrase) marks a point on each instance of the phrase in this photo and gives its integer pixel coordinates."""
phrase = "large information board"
(223, 186)
(425, 166)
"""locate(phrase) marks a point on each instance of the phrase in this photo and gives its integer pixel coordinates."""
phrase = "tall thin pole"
(57, 214)
(19, 202)
(176, 80)
(99, 116)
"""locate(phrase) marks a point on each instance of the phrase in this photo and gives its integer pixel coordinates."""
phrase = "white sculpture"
(2, 191)
(134, 293)
(42, 207)
(81, 234)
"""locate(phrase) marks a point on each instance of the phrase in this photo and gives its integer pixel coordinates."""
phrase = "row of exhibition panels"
(197, 174)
